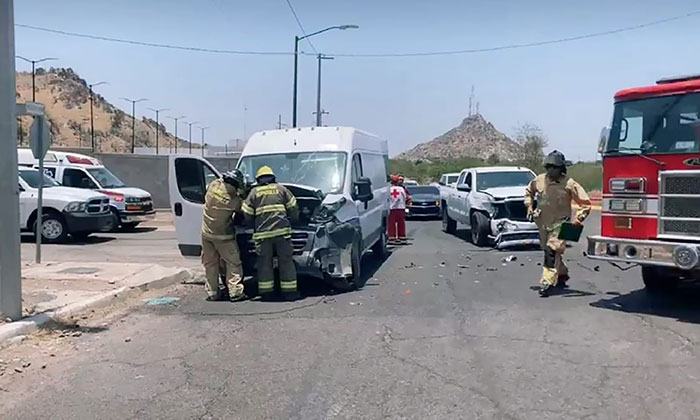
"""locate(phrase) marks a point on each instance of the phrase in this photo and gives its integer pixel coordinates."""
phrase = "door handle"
(178, 209)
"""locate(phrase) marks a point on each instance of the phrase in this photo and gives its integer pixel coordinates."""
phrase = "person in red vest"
(397, 212)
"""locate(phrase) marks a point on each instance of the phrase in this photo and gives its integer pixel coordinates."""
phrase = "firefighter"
(270, 208)
(221, 202)
(554, 192)
(397, 212)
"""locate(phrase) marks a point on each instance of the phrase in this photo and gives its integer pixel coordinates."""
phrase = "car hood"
(73, 194)
(505, 192)
(128, 192)
(425, 197)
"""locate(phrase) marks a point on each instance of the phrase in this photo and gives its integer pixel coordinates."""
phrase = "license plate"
(275, 262)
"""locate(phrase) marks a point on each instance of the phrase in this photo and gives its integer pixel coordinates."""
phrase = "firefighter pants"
(215, 250)
(397, 224)
(283, 249)
(554, 248)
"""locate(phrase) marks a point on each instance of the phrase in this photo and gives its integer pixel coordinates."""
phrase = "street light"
(176, 119)
(203, 128)
(319, 113)
(191, 124)
(92, 117)
(133, 121)
(158, 111)
(34, 62)
(296, 60)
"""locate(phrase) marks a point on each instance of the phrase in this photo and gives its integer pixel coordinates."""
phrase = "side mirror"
(604, 136)
(441, 183)
(20, 188)
(363, 190)
(464, 188)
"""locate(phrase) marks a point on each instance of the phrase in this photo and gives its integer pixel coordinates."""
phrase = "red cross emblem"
(395, 193)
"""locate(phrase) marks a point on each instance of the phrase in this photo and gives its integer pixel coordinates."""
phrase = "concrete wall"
(151, 172)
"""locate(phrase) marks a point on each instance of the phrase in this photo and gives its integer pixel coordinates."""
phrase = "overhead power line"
(376, 55)
(301, 27)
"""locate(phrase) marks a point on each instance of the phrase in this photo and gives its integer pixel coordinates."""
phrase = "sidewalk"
(59, 291)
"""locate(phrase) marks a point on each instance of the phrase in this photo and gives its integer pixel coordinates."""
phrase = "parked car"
(425, 201)
(491, 201)
(129, 206)
(65, 211)
(339, 178)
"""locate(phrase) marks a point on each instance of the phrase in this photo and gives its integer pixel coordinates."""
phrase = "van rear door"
(188, 178)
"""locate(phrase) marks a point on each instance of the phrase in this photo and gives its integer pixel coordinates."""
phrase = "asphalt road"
(424, 339)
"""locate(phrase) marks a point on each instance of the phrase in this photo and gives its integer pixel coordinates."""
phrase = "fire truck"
(651, 183)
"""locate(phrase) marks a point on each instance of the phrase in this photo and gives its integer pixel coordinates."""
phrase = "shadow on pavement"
(144, 229)
(681, 304)
(566, 292)
(90, 240)
(70, 327)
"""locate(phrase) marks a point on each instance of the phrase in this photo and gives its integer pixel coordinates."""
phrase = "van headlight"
(329, 210)
(76, 207)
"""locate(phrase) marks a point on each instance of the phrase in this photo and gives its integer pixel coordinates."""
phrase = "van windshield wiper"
(630, 151)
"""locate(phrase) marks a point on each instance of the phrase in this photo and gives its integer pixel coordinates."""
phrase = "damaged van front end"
(323, 238)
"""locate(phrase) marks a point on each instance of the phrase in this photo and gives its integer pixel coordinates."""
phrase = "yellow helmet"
(264, 170)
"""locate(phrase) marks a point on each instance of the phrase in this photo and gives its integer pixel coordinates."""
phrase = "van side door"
(188, 178)
(363, 209)
(374, 168)
(457, 199)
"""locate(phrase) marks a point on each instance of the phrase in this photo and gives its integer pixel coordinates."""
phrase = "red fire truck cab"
(651, 182)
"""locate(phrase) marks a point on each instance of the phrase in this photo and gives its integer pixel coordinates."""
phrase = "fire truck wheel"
(659, 279)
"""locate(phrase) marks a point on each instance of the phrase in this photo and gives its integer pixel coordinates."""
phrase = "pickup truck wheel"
(659, 279)
(116, 221)
(53, 229)
(448, 225)
(480, 229)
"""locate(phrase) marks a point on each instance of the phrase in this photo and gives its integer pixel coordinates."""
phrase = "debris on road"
(435, 284)
(355, 303)
(43, 366)
(443, 264)
(510, 258)
(329, 299)
(164, 300)
(462, 266)
(8, 319)
(127, 340)
(18, 370)
(596, 268)
(76, 334)
(26, 364)
(407, 292)
(111, 281)
(491, 269)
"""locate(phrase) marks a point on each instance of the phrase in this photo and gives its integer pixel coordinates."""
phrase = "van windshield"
(105, 178)
(322, 170)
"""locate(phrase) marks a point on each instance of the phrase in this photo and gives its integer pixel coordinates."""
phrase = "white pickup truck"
(490, 200)
(66, 211)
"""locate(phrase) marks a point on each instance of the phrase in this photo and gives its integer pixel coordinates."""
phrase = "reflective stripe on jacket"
(269, 209)
(220, 204)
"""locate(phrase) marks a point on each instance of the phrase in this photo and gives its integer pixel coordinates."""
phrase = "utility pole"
(190, 124)
(296, 63)
(319, 113)
(34, 62)
(471, 100)
(158, 111)
(10, 273)
(279, 121)
(203, 128)
(245, 120)
(176, 119)
(133, 121)
(92, 117)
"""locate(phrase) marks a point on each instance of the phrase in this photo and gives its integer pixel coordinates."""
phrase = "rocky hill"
(67, 100)
(475, 137)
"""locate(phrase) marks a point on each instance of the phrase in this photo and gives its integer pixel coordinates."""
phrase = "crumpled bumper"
(509, 233)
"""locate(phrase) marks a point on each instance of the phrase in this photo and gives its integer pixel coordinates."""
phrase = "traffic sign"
(39, 137)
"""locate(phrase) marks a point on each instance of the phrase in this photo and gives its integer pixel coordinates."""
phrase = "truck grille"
(98, 206)
(679, 203)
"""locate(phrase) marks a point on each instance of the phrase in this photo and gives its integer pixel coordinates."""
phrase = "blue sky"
(566, 89)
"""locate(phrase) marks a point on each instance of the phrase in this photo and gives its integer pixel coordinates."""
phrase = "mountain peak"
(474, 137)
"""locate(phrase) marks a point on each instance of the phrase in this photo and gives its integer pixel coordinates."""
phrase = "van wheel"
(380, 249)
(480, 229)
(659, 279)
(116, 221)
(53, 229)
(448, 225)
(349, 284)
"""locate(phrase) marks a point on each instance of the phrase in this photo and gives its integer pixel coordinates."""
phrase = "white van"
(66, 211)
(339, 177)
(129, 206)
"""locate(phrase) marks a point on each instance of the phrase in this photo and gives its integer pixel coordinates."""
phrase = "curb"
(33, 323)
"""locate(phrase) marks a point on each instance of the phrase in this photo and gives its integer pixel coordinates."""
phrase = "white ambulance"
(129, 206)
(339, 177)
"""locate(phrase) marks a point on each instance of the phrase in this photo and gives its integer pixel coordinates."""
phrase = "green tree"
(532, 142)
